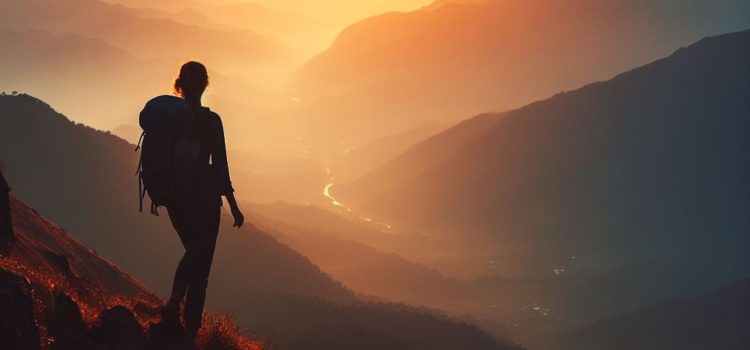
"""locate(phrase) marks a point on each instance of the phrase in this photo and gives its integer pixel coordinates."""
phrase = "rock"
(118, 327)
(66, 325)
(17, 327)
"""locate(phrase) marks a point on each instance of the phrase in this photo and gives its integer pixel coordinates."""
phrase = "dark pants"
(198, 226)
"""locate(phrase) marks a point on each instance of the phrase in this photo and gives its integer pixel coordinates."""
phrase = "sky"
(342, 11)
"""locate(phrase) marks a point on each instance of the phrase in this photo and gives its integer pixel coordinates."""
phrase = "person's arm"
(221, 167)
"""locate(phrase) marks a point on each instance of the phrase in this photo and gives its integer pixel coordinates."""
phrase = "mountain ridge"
(388, 70)
(615, 173)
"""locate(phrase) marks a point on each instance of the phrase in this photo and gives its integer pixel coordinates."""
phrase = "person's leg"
(181, 278)
(181, 219)
(201, 259)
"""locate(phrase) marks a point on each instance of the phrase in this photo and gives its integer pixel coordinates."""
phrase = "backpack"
(168, 150)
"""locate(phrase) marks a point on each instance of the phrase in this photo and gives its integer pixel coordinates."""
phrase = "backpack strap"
(141, 193)
(140, 140)
(139, 174)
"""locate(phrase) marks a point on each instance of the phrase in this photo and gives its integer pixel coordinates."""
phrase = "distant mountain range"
(450, 61)
(144, 38)
(651, 164)
(85, 76)
(109, 57)
(293, 30)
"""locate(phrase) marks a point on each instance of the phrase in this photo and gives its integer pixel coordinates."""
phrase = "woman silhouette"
(195, 210)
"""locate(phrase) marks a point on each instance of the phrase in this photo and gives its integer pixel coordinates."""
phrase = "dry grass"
(221, 333)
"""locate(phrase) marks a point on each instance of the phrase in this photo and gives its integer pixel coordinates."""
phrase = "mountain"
(270, 288)
(292, 29)
(718, 320)
(360, 160)
(186, 16)
(440, 3)
(461, 59)
(652, 163)
(85, 76)
(419, 158)
(144, 38)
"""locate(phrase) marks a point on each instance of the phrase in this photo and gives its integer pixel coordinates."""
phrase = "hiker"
(7, 237)
(194, 208)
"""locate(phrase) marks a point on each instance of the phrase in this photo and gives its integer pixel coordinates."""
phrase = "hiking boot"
(170, 312)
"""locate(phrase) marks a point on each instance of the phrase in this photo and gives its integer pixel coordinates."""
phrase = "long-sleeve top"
(209, 133)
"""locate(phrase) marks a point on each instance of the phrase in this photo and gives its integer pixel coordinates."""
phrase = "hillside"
(47, 254)
(448, 62)
(254, 276)
(658, 143)
(418, 158)
(718, 320)
(81, 300)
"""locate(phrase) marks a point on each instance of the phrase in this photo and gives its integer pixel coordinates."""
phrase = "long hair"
(192, 80)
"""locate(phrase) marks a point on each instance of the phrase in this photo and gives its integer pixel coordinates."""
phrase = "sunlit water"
(336, 203)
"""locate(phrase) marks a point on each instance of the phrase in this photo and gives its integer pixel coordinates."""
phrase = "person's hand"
(239, 218)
